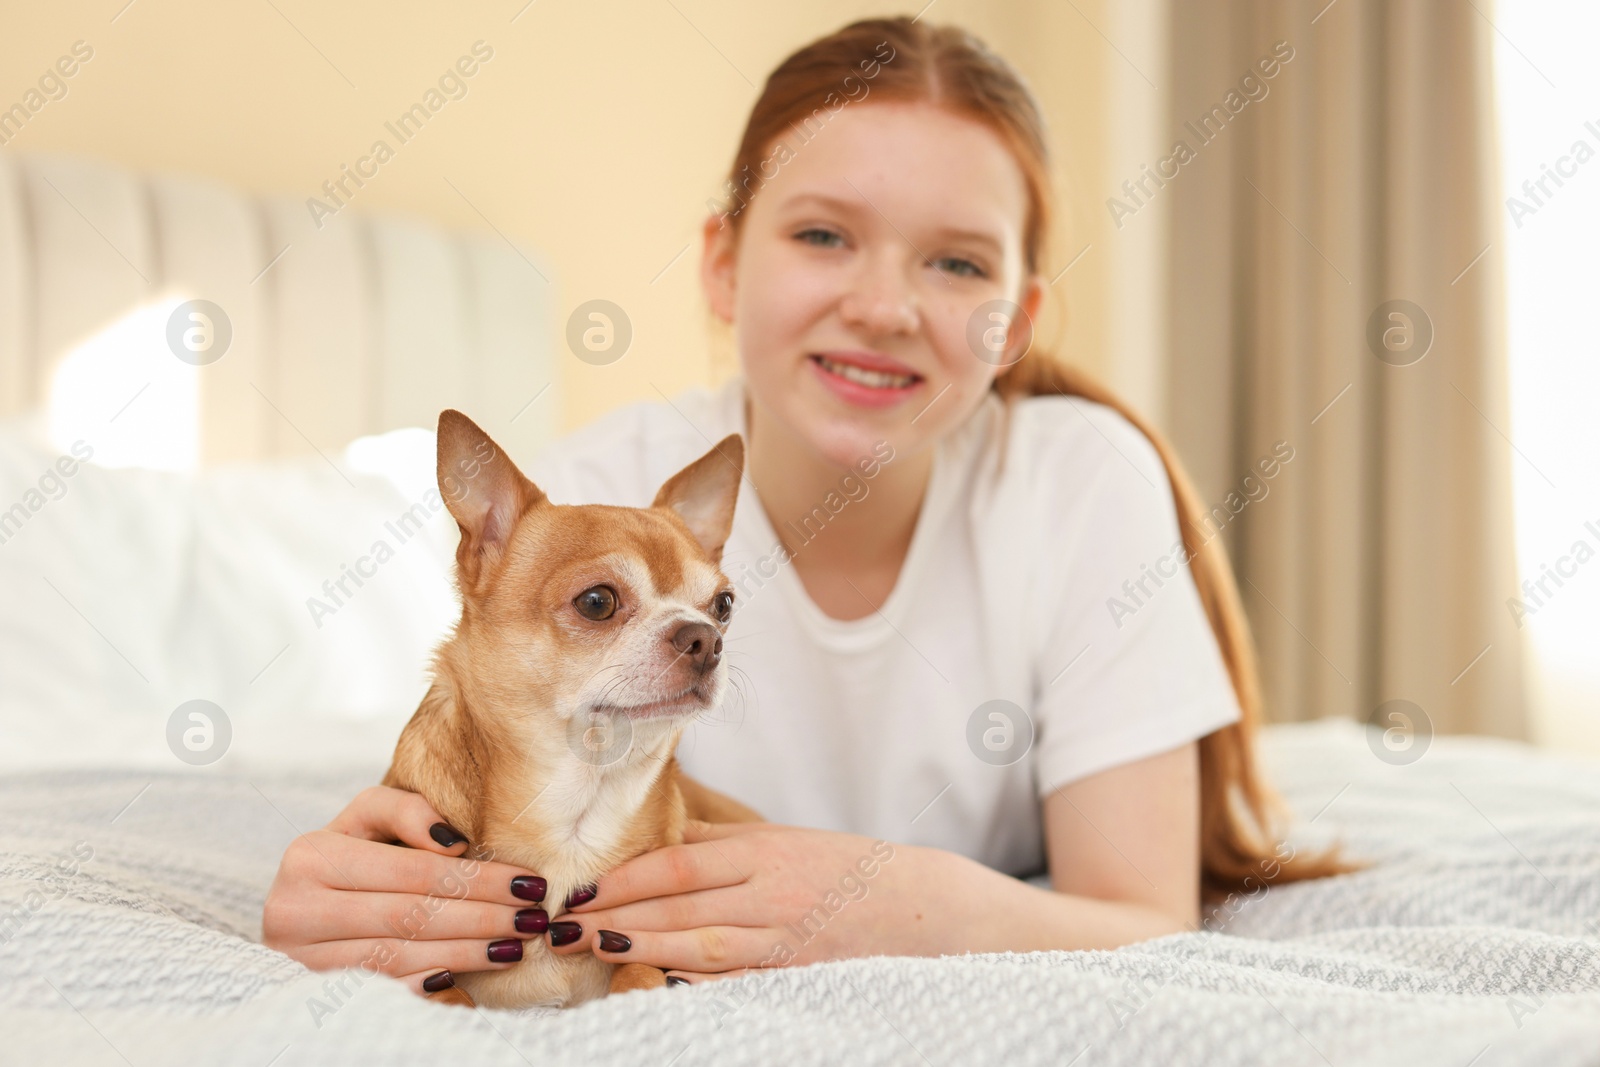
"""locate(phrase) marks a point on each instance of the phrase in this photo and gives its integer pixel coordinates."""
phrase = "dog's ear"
(704, 492)
(484, 491)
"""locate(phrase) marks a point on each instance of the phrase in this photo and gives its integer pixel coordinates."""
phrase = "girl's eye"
(722, 606)
(597, 604)
(963, 267)
(827, 236)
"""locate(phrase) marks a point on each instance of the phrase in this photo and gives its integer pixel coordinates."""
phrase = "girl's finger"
(664, 871)
(683, 978)
(731, 905)
(396, 956)
(346, 916)
(703, 949)
(339, 861)
(429, 981)
(380, 813)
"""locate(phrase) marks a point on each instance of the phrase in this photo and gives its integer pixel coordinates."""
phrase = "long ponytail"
(1239, 810)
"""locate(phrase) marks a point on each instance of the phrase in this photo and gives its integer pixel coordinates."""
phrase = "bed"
(132, 907)
(131, 882)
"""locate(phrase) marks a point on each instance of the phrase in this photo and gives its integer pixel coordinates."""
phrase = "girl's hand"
(349, 895)
(738, 896)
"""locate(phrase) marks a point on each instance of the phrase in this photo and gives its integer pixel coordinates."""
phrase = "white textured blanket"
(130, 904)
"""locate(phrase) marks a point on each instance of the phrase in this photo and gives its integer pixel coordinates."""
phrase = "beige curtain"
(1377, 565)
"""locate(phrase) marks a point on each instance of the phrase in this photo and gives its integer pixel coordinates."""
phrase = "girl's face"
(858, 285)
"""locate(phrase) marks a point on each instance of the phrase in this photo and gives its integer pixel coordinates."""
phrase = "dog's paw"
(631, 976)
(453, 995)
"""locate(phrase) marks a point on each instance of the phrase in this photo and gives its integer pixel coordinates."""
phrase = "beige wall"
(596, 134)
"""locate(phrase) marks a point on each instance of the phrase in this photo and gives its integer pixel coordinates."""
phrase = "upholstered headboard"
(358, 326)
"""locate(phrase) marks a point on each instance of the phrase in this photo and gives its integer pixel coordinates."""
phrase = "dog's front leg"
(630, 976)
(453, 995)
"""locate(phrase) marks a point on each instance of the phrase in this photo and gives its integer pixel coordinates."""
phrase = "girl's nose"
(881, 301)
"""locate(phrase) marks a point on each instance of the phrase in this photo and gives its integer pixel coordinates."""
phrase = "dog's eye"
(722, 606)
(597, 603)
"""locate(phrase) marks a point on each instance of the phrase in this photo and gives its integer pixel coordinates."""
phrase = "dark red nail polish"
(528, 887)
(435, 982)
(507, 951)
(673, 979)
(582, 896)
(611, 941)
(565, 933)
(533, 921)
(447, 836)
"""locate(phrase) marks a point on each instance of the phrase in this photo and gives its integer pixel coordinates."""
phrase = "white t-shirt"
(884, 725)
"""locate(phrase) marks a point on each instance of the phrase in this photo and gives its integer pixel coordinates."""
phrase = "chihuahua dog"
(589, 636)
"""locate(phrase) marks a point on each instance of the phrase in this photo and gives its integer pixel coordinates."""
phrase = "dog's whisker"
(667, 668)
(608, 667)
(744, 685)
(738, 681)
(609, 688)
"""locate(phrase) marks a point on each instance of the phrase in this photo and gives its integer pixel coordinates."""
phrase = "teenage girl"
(981, 632)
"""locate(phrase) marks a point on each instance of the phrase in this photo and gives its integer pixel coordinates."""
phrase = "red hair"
(902, 60)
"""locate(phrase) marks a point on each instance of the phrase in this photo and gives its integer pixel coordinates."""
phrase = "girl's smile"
(866, 379)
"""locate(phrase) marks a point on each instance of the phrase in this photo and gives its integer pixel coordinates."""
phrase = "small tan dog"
(589, 637)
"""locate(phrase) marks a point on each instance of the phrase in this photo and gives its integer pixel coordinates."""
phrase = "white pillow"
(127, 593)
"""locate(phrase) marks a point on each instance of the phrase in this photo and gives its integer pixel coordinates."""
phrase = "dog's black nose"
(700, 642)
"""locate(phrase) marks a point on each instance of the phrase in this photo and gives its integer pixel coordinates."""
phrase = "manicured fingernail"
(435, 982)
(565, 933)
(673, 979)
(582, 896)
(611, 941)
(528, 887)
(533, 921)
(507, 951)
(447, 836)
